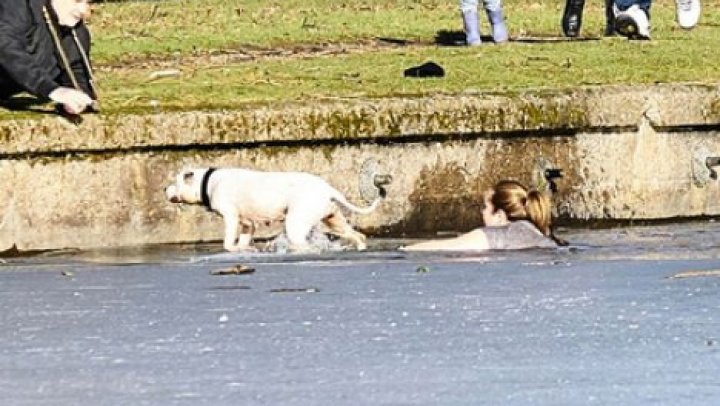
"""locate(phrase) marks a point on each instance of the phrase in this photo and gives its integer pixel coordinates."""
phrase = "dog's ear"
(188, 177)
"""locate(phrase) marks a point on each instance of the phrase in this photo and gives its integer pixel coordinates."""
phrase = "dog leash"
(86, 62)
(204, 195)
(66, 62)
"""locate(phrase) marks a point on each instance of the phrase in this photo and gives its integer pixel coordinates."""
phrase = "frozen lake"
(623, 316)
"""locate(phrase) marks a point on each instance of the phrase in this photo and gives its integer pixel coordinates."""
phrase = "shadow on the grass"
(551, 39)
(456, 38)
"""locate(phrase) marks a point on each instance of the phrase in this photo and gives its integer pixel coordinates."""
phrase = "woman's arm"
(474, 240)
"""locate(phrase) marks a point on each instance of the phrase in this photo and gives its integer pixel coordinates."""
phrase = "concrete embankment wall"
(626, 153)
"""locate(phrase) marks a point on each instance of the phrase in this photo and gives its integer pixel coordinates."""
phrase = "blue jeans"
(490, 5)
(643, 4)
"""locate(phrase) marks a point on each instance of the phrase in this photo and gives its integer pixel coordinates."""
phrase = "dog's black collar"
(204, 195)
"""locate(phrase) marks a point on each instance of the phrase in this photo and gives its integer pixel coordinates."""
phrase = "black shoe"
(632, 23)
(572, 17)
(426, 70)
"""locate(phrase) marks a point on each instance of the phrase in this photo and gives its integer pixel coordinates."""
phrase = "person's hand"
(74, 101)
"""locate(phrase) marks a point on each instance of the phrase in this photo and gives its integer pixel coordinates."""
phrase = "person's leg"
(572, 17)
(609, 18)
(468, 9)
(644, 5)
(494, 11)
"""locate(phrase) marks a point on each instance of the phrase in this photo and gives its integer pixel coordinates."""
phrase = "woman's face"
(71, 12)
(491, 217)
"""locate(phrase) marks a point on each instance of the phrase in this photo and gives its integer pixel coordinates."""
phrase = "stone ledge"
(586, 109)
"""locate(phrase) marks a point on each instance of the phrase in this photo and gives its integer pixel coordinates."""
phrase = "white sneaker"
(688, 13)
(632, 23)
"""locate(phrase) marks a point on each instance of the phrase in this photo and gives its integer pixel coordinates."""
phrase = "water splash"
(318, 242)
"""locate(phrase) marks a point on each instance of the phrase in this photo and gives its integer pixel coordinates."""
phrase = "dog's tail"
(340, 198)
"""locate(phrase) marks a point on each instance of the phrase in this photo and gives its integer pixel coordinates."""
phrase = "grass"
(134, 39)
(151, 28)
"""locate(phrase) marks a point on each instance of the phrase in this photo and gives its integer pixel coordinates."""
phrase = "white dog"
(245, 197)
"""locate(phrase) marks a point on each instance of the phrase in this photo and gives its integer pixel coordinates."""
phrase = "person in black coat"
(45, 51)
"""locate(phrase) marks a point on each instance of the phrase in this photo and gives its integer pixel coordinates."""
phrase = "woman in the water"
(514, 218)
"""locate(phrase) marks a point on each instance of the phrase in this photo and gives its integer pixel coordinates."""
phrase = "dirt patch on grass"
(253, 53)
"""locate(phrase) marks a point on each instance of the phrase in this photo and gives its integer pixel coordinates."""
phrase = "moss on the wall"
(330, 123)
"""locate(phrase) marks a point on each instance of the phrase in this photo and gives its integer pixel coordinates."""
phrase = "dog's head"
(187, 186)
